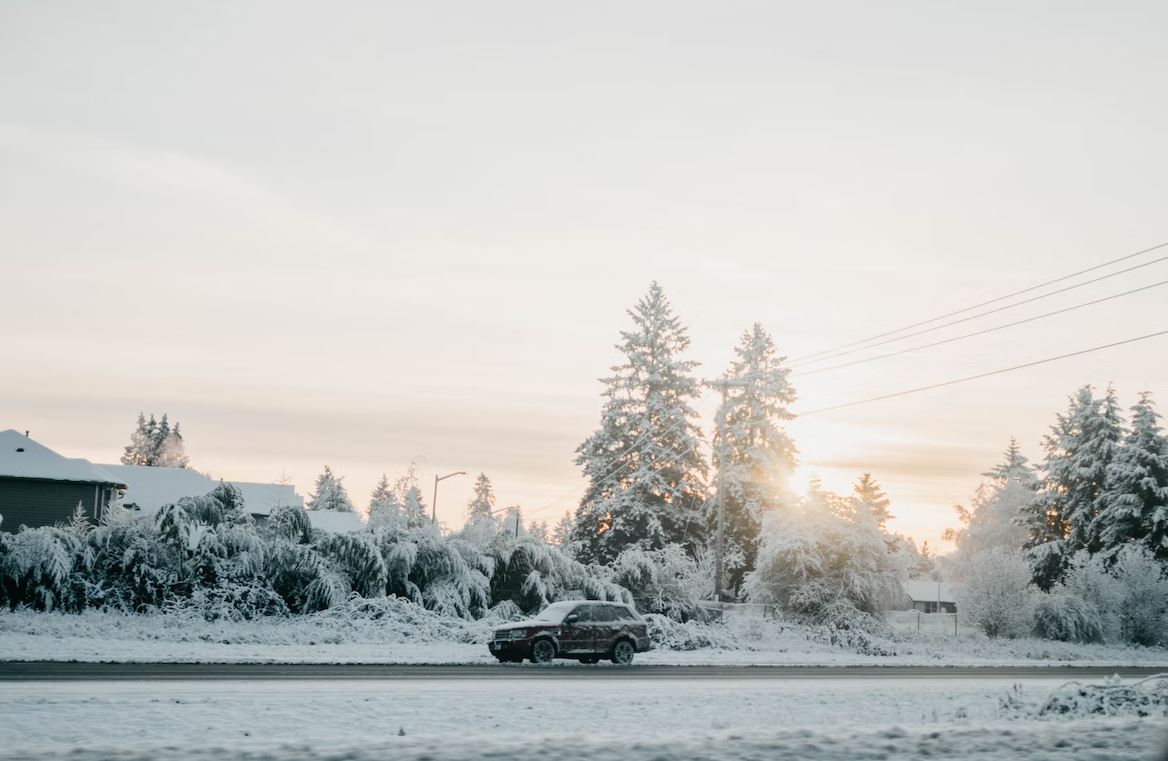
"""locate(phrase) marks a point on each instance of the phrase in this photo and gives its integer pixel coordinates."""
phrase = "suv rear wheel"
(622, 652)
(543, 651)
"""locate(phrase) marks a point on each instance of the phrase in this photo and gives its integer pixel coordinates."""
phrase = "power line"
(985, 303)
(978, 332)
(981, 375)
(982, 314)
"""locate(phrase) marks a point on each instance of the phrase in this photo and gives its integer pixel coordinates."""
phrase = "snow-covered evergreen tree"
(562, 532)
(540, 532)
(171, 449)
(1079, 449)
(1013, 467)
(645, 471)
(759, 454)
(870, 498)
(140, 449)
(385, 509)
(994, 520)
(409, 496)
(155, 443)
(481, 524)
(1133, 505)
(330, 493)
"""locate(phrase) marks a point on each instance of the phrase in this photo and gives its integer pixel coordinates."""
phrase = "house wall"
(34, 502)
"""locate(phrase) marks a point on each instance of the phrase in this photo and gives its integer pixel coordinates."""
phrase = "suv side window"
(583, 614)
(603, 614)
(621, 613)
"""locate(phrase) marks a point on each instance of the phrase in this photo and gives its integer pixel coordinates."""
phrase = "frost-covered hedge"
(207, 554)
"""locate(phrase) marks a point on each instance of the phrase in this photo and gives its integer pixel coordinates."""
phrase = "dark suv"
(584, 630)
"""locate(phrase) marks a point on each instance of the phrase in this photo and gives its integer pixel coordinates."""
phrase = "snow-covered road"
(527, 718)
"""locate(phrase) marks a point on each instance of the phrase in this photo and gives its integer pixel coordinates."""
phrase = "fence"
(924, 623)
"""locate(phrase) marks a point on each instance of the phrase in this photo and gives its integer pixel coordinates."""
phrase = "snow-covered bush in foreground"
(996, 596)
(1112, 697)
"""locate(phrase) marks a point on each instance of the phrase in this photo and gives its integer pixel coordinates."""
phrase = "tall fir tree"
(1079, 447)
(870, 498)
(1013, 467)
(646, 474)
(330, 493)
(998, 511)
(562, 532)
(409, 494)
(1133, 505)
(760, 456)
(481, 525)
(385, 509)
(155, 444)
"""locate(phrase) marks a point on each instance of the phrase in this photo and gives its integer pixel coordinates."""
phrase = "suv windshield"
(554, 613)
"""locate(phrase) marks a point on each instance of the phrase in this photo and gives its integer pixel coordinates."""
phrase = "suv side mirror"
(571, 618)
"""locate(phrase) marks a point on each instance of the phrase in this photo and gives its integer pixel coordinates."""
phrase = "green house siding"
(34, 502)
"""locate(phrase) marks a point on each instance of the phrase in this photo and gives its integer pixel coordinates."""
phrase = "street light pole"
(434, 502)
(724, 385)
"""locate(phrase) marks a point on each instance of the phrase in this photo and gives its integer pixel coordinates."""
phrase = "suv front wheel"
(622, 652)
(543, 651)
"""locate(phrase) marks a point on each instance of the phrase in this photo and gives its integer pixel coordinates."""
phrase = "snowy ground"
(98, 636)
(527, 719)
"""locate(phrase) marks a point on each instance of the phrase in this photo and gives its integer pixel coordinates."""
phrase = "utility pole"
(434, 503)
(724, 385)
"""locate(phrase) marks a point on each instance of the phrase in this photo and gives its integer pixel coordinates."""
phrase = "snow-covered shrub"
(45, 568)
(291, 523)
(359, 559)
(1112, 698)
(1143, 599)
(532, 574)
(669, 634)
(841, 624)
(303, 578)
(997, 597)
(235, 602)
(445, 575)
(821, 553)
(1088, 578)
(1067, 618)
(1128, 588)
(131, 569)
(665, 581)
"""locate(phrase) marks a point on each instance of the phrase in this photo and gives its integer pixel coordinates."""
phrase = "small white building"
(929, 596)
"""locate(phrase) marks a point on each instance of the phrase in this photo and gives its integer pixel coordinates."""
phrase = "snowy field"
(101, 636)
(625, 719)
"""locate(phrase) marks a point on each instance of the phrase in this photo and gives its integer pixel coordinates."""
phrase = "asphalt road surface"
(63, 671)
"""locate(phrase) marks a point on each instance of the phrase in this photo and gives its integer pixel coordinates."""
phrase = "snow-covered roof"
(335, 521)
(22, 457)
(924, 590)
(150, 488)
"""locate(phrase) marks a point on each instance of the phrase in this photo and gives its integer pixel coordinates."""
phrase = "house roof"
(151, 487)
(22, 457)
(925, 590)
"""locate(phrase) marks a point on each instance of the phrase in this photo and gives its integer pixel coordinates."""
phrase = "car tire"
(623, 652)
(543, 651)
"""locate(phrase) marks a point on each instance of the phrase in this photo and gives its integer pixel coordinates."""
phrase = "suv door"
(605, 628)
(577, 636)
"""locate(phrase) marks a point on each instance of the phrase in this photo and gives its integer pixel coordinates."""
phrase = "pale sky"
(364, 233)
